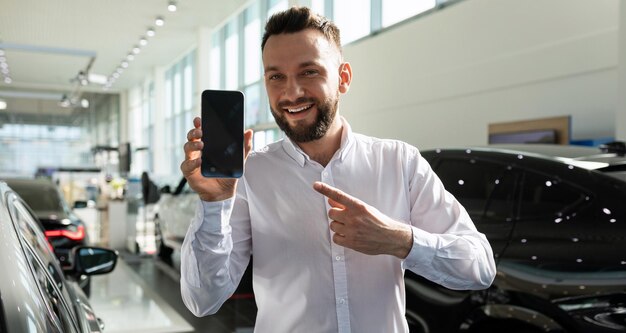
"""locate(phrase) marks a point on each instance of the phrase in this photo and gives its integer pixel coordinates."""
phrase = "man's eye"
(309, 72)
(274, 77)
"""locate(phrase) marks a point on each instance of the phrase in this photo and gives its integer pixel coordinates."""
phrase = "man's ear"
(345, 77)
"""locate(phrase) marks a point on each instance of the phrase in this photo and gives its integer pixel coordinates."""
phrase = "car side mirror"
(80, 204)
(89, 260)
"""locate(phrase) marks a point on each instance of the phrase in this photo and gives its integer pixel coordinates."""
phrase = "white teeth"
(299, 109)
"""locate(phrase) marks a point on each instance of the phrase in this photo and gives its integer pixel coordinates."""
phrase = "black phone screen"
(222, 133)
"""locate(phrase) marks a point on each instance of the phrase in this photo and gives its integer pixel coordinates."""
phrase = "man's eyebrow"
(302, 65)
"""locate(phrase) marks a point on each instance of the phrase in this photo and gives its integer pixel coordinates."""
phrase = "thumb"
(335, 204)
(247, 138)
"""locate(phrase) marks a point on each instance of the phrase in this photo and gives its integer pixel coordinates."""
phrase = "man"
(333, 217)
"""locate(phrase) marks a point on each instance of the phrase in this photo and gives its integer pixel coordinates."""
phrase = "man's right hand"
(209, 189)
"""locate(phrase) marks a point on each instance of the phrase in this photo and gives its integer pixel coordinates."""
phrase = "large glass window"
(353, 19)
(235, 56)
(180, 105)
(231, 58)
(394, 11)
(252, 44)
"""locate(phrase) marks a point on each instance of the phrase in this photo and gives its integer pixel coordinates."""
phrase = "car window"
(484, 188)
(544, 195)
(40, 199)
(44, 267)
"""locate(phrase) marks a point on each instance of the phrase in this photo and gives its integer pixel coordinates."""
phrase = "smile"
(300, 109)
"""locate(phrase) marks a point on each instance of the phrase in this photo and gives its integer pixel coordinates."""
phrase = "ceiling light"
(82, 78)
(143, 41)
(3, 105)
(171, 6)
(119, 70)
(65, 102)
(7, 80)
(136, 50)
(159, 21)
(84, 103)
(97, 78)
(116, 75)
(150, 32)
(130, 57)
(124, 64)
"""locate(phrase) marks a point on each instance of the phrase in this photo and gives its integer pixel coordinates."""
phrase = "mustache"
(299, 101)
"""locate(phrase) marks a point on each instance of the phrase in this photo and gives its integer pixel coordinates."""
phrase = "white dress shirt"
(303, 282)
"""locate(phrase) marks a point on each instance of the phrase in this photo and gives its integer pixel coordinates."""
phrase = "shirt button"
(338, 258)
(342, 301)
(325, 173)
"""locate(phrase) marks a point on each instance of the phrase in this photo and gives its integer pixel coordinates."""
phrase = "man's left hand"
(363, 228)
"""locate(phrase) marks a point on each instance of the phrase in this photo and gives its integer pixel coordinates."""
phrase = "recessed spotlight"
(3, 105)
(124, 64)
(136, 50)
(171, 6)
(8, 80)
(159, 21)
(130, 57)
(150, 32)
(143, 41)
(115, 75)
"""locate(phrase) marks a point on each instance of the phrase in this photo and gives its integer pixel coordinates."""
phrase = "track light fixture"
(171, 6)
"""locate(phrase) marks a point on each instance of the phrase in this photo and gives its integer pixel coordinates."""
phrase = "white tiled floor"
(127, 304)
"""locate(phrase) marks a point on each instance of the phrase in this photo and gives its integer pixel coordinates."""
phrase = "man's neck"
(323, 149)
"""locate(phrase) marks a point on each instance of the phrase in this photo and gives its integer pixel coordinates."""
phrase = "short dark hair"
(296, 19)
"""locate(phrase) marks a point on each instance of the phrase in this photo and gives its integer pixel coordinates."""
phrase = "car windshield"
(41, 199)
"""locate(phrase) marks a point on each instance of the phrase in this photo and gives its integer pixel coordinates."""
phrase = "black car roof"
(584, 157)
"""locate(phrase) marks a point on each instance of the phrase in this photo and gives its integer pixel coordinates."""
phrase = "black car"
(35, 296)
(62, 227)
(556, 219)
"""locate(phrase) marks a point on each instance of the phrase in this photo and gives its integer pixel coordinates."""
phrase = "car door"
(487, 189)
(552, 223)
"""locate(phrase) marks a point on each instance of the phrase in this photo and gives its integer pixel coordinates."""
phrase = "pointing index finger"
(335, 194)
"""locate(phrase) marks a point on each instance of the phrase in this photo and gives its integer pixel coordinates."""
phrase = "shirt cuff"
(422, 252)
(211, 216)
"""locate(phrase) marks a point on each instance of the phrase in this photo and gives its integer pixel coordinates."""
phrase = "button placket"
(339, 267)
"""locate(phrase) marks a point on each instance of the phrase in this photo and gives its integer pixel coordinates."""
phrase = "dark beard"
(300, 133)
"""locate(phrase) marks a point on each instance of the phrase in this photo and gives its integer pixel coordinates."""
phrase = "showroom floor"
(142, 295)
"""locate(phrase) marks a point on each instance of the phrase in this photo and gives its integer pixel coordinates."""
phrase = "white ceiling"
(48, 42)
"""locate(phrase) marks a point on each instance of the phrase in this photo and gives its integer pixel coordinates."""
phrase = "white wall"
(620, 117)
(440, 79)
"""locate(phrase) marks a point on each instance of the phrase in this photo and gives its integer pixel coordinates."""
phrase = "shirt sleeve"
(215, 253)
(447, 248)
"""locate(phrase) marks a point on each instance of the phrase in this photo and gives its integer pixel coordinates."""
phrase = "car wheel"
(164, 252)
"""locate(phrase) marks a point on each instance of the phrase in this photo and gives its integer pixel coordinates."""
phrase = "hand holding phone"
(222, 134)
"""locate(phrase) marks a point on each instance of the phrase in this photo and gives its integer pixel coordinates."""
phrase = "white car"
(173, 214)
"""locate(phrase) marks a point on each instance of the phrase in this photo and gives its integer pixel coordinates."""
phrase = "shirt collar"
(347, 140)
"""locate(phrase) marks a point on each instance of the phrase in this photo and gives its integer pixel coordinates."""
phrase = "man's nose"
(293, 89)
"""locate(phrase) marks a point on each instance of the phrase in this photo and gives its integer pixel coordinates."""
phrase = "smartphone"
(222, 133)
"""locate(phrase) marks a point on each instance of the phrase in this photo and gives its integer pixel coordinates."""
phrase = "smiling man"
(333, 217)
